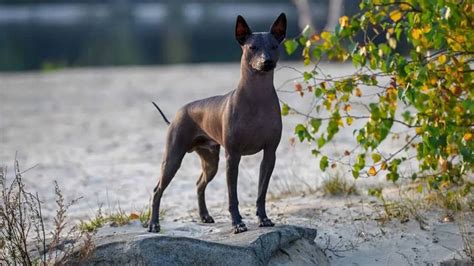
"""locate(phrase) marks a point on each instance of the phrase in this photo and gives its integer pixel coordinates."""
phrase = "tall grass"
(24, 239)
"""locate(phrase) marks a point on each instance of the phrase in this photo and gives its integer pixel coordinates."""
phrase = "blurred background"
(52, 34)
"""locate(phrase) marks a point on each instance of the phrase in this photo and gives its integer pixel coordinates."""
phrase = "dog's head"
(260, 49)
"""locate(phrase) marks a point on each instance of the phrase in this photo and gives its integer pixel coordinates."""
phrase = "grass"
(455, 204)
(337, 186)
(118, 217)
(402, 208)
(334, 186)
(23, 233)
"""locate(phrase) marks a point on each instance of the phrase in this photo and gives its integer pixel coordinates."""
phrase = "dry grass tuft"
(337, 186)
(403, 209)
(23, 237)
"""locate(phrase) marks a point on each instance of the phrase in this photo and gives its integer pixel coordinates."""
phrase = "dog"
(244, 121)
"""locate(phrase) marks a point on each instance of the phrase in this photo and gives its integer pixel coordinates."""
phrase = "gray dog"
(243, 121)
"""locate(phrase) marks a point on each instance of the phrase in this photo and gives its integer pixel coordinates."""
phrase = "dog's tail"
(161, 112)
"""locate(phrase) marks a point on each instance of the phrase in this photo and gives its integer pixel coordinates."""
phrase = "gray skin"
(244, 121)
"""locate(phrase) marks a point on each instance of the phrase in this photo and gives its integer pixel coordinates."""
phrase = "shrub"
(433, 84)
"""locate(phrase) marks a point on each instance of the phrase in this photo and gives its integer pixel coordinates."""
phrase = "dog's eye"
(253, 47)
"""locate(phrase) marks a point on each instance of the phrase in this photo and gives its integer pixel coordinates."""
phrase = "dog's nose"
(268, 63)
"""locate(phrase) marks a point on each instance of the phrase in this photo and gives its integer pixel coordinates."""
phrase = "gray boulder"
(199, 244)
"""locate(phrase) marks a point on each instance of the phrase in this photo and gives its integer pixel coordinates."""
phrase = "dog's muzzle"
(266, 66)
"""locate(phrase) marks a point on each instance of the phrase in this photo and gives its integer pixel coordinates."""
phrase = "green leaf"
(324, 163)
(333, 126)
(321, 142)
(285, 109)
(355, 173)
(376, 157)
(315, 123)
(300, 131)
(290, 46)
(317, 53)
(307, 76)
(318, 92)
(315, 152)
(360, 162)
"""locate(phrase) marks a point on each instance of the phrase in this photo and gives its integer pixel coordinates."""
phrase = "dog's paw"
(207, 219)
(265, 222)
(239, 228)
(154, 228)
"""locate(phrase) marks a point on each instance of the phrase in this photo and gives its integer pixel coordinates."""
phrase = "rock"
(203, 244)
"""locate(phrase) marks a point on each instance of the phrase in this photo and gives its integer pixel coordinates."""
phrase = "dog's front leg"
(266, 169)
(233, 161)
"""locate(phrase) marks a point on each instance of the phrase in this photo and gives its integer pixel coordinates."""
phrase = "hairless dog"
(244, 121)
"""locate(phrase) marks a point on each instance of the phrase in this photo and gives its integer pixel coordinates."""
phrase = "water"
(48, 36)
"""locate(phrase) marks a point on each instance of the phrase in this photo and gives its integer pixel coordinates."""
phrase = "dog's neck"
(255, 83)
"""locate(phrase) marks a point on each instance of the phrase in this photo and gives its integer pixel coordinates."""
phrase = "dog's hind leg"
(209, 162)
(177, 145)
(169, 168)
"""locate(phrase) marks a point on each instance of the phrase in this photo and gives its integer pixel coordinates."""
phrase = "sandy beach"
(96, 132)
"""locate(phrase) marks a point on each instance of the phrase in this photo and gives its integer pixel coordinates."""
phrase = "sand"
(96, 133)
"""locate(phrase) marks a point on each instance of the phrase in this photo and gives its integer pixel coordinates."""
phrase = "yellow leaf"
(467, 136)
(347, 107)
(349, 121)
(326, 35)
(358, 92)
(372, 171)
(418, 130)
(458, 109)
(426, 28)
(416, 34)
(452, 149)
(396, 15)
(447, 69)
(344, 21)
(442, 59)
(420, 188)
(383, 166)
(405, 6)
(460, 38)
(327, 104)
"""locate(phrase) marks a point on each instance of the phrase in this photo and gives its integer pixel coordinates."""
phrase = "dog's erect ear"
(242, 30)
(278, 29)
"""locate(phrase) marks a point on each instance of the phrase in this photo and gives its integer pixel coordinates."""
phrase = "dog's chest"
(255, 127)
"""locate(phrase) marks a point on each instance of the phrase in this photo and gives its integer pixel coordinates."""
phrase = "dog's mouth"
(265, 67)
